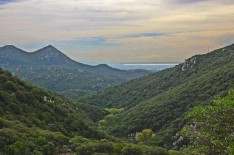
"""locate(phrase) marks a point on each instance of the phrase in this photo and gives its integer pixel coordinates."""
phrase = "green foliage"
(95, 113)
(41, 141)
(114, 111)
(160, 101)
(38, 122)
(212, 126)
(145, 135)
(35, 120)
(103, 122)
(49, 68)
(17, 138)
(132, 150)
(18, 148)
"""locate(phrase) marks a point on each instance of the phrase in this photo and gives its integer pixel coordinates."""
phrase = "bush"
(132, 150)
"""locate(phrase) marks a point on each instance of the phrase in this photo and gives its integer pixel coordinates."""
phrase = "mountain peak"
(11, 50)
(51, 48)
(10, 47)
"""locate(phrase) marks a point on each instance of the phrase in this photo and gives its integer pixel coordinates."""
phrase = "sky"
(119, 30)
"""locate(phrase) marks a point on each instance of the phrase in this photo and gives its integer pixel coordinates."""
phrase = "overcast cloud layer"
(119, 30)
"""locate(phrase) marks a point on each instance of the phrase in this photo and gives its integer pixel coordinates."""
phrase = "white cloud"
(34, 23)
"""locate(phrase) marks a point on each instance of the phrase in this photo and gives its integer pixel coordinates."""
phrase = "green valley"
(163, 113)
(35, 121)
(160, 101)
(116, 77)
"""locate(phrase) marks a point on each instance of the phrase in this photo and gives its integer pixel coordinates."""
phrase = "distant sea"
(128, 66)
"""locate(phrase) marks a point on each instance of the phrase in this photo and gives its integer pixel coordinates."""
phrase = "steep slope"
(49, 67)
(35, 121)
(37, 107)
(131, 93)
(50, 56)
(160, 100)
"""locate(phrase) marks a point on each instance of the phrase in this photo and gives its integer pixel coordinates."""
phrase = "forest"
(197, 120)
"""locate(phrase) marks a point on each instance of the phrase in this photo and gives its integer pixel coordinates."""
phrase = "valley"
(116, 77)
(160, 101)
(37, 121)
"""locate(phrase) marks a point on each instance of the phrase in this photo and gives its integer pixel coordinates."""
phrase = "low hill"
(49, 67)
(160, 100)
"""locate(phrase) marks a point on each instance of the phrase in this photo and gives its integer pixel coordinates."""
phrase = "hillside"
(49, 68)
(35, 121)
(160, 100)
(25, 108)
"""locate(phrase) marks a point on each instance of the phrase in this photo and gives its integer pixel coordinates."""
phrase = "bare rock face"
(189, 63)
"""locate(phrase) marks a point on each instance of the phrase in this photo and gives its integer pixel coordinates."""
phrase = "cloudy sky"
(119, 30)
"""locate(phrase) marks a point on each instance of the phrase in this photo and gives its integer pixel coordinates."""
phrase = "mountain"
(36, 121)
(50, 68)
(159, 101)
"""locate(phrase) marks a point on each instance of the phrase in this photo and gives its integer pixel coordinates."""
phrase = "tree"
(132, 150)
(86, 149)
(105, 147)
(212, 127)
(18, 148)
(145, 135)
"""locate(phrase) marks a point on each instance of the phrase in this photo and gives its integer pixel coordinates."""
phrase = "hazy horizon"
(119, 31)
(139, 65)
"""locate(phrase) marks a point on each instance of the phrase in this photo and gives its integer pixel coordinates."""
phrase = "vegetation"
(160, 101)
(49, 68)
(35, 121)
(102, 123)
(28, 113)
(145, 135)
(212, 127)
(94, 113)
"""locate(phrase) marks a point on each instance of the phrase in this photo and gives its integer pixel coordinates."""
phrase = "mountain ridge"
(160, 100)
(48, 67)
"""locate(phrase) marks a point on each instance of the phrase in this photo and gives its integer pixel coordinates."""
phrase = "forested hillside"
(210, 128)
(159, 101)
(25, 108)
(50, 68)
(35, 122)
